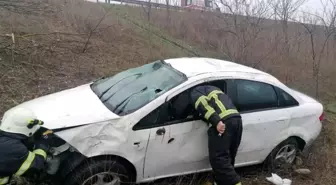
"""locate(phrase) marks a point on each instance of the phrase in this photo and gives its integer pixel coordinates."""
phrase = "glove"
(45, 140)
(47, 134)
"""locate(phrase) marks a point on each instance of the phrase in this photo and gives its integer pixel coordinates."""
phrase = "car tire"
(96, 172)
(283, 155)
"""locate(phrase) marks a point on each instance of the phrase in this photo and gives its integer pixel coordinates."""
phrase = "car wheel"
(101, 172)
(283, 155)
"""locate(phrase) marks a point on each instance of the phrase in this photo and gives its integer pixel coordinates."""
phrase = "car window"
(252, 95)
(130, 90)
(176, 110)
(218, 83)
(180, 108)
(286, 100)
(155, 118)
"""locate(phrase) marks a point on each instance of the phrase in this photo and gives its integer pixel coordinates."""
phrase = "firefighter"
(16, 128)
(224, 134)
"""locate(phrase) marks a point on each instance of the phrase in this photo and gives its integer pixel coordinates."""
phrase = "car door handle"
(171, 140)
(282, 119)
(137, 145)
(161, 131)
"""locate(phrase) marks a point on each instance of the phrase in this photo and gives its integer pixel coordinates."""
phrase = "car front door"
(177, 149)
(177, 144)
(174, 146)
(264, 123)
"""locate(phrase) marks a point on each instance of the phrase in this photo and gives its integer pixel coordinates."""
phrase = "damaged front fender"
(83, 142)
(95, 139)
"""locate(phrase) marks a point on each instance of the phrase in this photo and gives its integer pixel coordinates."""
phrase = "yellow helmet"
(20, 121)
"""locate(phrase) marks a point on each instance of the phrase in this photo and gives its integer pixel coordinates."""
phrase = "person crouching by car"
(16, 127)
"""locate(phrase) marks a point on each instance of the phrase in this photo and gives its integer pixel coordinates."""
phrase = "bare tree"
(168, 13)
(93, 30)
(313, 24)
(284, 10)
(244, 25)
(148, 11)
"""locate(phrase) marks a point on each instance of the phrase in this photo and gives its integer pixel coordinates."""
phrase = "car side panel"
(262, 131)
(305, 122)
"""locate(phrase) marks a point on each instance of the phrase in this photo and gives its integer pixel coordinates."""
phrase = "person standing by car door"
(224, 134)
(16, 127)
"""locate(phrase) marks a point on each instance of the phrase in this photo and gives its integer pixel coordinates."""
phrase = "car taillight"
(322, 116)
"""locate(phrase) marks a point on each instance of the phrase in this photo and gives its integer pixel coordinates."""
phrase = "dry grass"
(60, 44)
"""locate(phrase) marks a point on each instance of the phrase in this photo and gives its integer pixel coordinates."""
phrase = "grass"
(159, 35)
(60, 44)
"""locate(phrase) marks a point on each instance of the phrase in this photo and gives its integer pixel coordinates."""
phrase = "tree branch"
(93, 30)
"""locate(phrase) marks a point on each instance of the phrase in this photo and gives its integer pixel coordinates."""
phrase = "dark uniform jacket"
(213, 104)
(16, 159)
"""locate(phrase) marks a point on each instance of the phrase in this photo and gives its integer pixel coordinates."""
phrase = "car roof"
(196, 66)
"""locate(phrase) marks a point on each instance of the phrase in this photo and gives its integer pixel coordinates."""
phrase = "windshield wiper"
(117, 106)
(101, 78)
(103, 93)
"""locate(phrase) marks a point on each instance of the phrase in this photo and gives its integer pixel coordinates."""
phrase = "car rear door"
(264, 124)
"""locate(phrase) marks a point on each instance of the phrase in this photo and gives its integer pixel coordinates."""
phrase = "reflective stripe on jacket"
(213, 104)
(4, 180)
(16, 159)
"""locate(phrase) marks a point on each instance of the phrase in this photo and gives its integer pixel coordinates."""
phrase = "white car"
(124, 128)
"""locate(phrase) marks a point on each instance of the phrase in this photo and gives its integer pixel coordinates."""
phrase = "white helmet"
(20, 121)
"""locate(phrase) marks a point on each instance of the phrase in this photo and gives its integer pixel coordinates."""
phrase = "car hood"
(69, 108)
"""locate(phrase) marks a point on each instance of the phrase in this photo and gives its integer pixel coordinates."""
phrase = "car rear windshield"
(130, 90)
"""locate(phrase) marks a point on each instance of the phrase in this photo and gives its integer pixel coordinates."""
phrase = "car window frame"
(276, 90)
(190, 117)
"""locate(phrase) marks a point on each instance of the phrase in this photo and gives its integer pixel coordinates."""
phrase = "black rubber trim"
(67, 128)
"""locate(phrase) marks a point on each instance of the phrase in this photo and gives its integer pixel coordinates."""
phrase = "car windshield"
(130, 90)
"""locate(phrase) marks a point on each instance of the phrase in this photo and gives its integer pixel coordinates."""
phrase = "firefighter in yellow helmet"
(16, 127)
